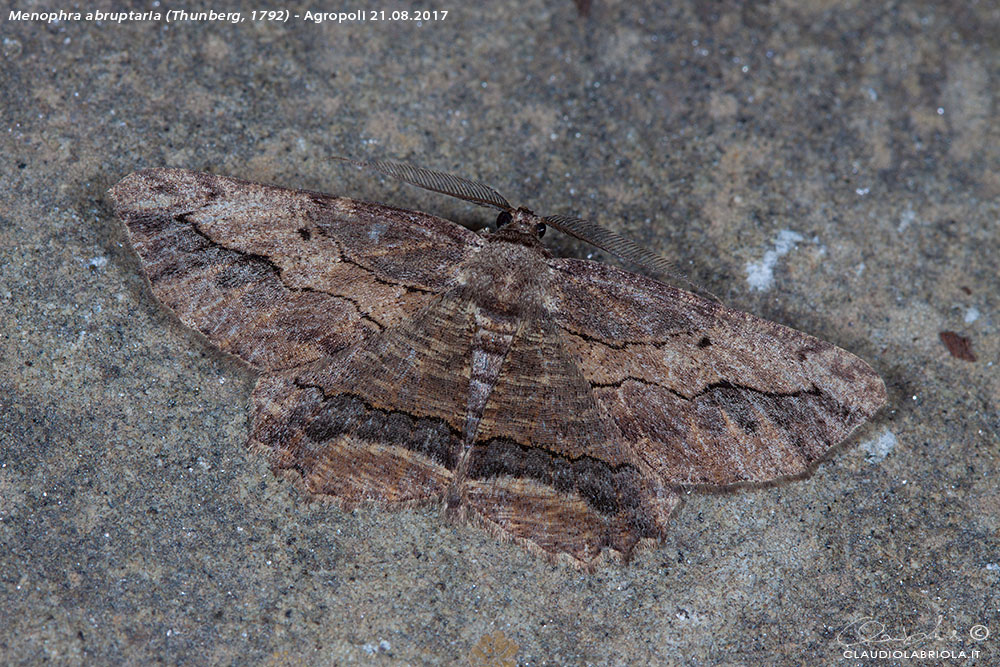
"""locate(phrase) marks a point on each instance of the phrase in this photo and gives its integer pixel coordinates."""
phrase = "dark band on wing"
(607, 489)
(339, 414)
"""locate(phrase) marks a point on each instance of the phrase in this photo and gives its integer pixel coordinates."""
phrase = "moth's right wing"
(281, 277)
(702, 393)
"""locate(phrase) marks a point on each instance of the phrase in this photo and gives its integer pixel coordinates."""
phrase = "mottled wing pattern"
(701, 393)
(379, 422)
(284, 277)
(341, 304)
(549, 468)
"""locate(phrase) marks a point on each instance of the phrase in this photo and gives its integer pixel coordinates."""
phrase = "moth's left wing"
(280, 277)
(702, 393)
(382, 421)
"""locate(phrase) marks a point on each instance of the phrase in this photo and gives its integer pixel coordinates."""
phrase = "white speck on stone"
(906, 219)
(760, 275)
(971, 315)
(880, 447)
(382, 647)
(98, 262)
(993, 567)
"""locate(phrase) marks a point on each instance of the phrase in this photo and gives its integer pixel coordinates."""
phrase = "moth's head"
(520, 224)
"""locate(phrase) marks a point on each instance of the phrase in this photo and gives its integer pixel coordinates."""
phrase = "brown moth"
(403, 359)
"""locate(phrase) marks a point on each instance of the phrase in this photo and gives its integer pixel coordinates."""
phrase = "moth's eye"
(503, 219)
(540, 229)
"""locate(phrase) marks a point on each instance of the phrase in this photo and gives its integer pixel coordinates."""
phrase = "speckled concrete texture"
(832, 166)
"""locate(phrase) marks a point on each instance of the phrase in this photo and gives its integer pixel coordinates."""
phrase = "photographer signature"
(868, 631)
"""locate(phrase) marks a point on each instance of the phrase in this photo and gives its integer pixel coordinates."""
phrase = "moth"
(561, 403)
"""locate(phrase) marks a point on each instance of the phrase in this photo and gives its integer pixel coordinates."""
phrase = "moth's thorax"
(507, 279)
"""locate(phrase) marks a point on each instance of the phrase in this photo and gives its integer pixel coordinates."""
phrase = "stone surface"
(847, 150)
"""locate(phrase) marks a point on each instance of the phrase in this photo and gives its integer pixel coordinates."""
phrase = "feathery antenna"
(623, 248)
(479, 193)
(437, 181)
